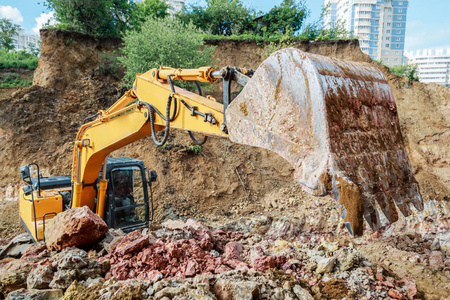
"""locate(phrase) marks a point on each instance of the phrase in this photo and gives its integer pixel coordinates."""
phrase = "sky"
(427, 26)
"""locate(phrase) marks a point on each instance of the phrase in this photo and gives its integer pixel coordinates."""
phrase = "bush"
(164, 42)
(18, 59)
(100, 17)
(409, 71)
(221, 17)
(14, 80)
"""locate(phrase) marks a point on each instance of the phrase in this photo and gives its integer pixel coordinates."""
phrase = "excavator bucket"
(336, 122)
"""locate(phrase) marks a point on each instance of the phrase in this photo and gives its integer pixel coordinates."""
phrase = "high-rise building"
(432, 65)
(23, 41)
(378, 24)
(175, 5)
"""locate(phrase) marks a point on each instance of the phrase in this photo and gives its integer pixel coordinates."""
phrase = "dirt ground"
(225, 181)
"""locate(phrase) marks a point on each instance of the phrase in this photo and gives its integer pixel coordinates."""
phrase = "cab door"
(128, 198)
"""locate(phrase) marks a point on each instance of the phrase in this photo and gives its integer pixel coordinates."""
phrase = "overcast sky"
(427, 26)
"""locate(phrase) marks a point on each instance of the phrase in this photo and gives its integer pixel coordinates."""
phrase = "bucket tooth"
(336, 122)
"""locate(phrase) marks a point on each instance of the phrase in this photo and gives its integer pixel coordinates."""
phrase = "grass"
(13, 79)
(18, 59)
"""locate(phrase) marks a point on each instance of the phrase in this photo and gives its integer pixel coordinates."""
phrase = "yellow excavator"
(334, 121)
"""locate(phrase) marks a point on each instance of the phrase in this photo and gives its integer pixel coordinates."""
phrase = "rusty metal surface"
(336, 122)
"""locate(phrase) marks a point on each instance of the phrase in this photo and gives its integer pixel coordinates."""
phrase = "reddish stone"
(437, 260)
(76, 227)
(34, 250)
(263, 263)
(388, 284)
(395, 294)
(379, 277)
(128, 247)
(233, 250)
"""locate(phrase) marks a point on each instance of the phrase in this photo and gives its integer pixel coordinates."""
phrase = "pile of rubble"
(251, 258)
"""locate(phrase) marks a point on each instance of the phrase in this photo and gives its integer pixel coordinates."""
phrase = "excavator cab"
(127, 194)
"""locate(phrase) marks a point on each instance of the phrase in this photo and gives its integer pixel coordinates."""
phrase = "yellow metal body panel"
(49, 202)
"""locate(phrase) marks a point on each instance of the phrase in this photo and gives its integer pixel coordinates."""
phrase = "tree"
(101, 17)
(7, 30)
(164, 42)
(287, 18)
(148, 8)
(409, 71)
(220, 17)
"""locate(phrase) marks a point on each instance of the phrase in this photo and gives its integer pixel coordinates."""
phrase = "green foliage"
(145, 9)
(18, 59)
(318, 31)
(287, 18)
(221, 17)
(7, 31)
(164, 42)
(196, 149)
(285, 41)
(14, 80)
(101, 17)
(409, 71)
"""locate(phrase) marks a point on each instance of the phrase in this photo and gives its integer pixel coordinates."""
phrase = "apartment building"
(23, 41)
(175, 5)
(378, 24)
(432, 65)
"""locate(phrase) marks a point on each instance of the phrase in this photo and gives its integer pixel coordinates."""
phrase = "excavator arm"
(153, 104)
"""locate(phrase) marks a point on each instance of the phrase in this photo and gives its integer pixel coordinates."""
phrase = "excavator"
(334, 121)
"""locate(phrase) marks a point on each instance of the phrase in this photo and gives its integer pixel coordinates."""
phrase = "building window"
(386, 59)
(387, 38)
(397, 45)
(387, 46)
(377, 21)
(400, 2)
(400, 10)
(397, 39)
(386, 52)
(388, 9)
(395, 59)
(388, 31)
(399, 32)
(399, 24)
(389, 17)
(399, 17)
(388, 24)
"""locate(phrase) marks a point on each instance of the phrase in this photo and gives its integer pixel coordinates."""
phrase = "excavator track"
(336, 122)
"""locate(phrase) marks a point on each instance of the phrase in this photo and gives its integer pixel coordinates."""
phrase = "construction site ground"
(233, 187)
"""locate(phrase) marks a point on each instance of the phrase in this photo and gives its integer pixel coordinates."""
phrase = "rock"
(437, 260)
(17, 246)
(325, 265)
(71, 258)
(225, 289)
(233, 250)
(133, 242)
(301, 293)
(24, 294)
(40, 277)
(14, 274)
(284, 229)
(78, 227)
(63, 279)
(170, 292)
(36, 250)
(395, 294)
